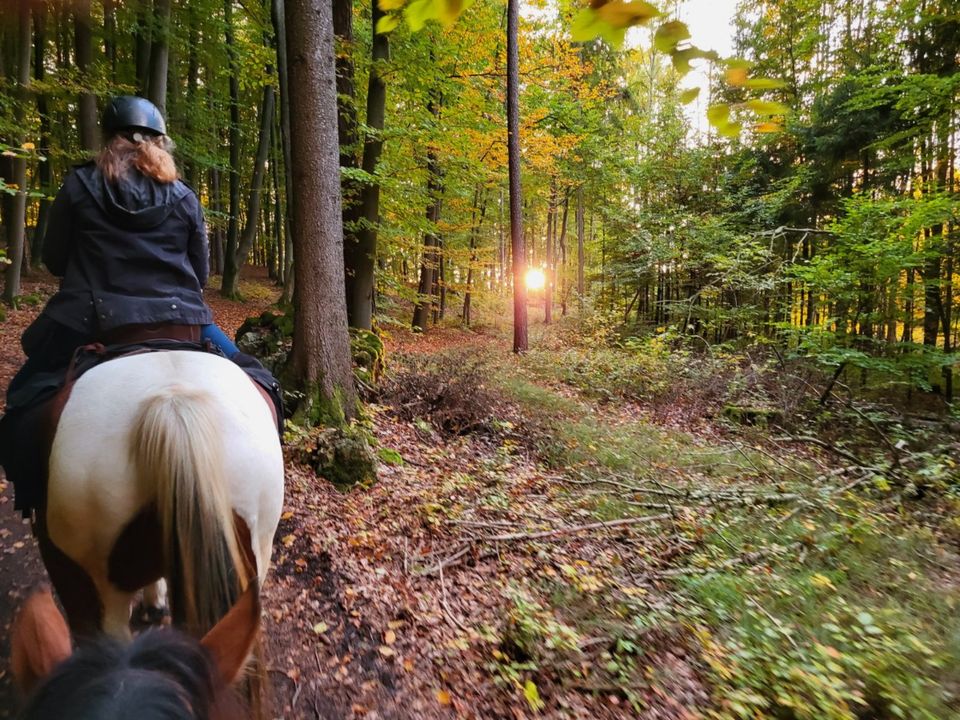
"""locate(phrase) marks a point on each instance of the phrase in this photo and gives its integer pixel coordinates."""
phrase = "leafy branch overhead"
(610, 20)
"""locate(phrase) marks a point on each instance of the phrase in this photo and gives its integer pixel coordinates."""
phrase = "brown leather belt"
(133, 334)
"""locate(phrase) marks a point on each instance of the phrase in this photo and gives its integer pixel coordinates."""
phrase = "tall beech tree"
(320, 361)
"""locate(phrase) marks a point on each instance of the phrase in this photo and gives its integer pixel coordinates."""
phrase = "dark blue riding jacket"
(129, 253)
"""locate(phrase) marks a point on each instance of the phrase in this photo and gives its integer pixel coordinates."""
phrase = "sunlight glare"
(535, 279)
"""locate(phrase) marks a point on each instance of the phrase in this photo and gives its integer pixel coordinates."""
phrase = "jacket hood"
(136, 202)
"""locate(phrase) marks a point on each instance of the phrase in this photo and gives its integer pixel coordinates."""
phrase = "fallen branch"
(827, 446)
(569, 530)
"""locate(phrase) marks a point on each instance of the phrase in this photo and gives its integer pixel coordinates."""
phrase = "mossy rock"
(344, 457)
(369, 355)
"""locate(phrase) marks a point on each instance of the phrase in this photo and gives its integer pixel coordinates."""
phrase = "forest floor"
(582, 533)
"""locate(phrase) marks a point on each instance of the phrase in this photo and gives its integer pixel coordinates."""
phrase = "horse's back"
(94, 489)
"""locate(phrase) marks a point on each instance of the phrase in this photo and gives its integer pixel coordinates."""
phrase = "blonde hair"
(150, 155)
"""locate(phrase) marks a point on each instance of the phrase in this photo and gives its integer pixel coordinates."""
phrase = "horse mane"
(162, 675)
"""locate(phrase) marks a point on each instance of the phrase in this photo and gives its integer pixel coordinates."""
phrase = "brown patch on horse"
(78, 594)
(39, 641)
(136, 558)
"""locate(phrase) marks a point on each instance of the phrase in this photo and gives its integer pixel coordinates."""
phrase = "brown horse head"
(162, 675)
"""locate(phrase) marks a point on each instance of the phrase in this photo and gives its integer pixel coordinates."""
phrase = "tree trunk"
(109, 35)
(43, 169)
(87, 112)
(320, 359)
(159, 55)
(479, 200)
(216, 236)
(551, 231)
(429, 262)
(516, 197)
(230, 280)
(564, 285)
(580, 254)
(228, 285)
(346, 108)
(16, 221)
(142, 45)
(360, 284)
(280, 33)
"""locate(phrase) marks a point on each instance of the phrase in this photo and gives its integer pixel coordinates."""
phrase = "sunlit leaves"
(768, 127)
(610, 20)
(764, 84)
(387, 23)
(718, 115)
(419, 12)
(669, 35)
(766, 107)
(688, 96)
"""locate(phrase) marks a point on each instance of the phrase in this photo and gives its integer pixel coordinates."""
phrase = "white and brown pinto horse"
(163, 465)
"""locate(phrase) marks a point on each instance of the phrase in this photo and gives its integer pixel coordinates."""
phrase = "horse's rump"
(137, 433)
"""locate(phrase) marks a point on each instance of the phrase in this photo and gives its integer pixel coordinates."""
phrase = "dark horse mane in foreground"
(162, 675)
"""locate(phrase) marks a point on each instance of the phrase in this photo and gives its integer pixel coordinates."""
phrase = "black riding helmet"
(128, 112)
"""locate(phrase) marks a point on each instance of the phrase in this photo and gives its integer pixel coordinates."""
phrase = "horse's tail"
(178, 450)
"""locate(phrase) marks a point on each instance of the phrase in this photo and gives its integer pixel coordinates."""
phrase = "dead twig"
(573, 529)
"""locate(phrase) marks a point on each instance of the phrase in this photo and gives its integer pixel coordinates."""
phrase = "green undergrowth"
(841, 608)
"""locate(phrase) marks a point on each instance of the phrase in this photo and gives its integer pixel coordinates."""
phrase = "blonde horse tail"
(178, 450)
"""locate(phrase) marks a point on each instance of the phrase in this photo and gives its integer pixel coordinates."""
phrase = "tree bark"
(87, 113)
(230, 252)
(278, 17)
(43, 169)
(320, 359)
(16, 221)
(360, 284)
(142, 45)
(230, 280)
(516, 197)
(430, 261)
(159, 55)
(580, 252)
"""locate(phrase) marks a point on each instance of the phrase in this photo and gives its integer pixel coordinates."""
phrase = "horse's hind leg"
(77, 592)
(116, 612)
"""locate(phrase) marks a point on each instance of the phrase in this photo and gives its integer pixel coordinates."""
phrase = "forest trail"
(534, 547)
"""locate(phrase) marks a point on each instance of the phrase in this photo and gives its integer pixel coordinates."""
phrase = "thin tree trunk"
(278, 16)
(16, 221)
(109, 35)
(43, 169)
(564, 285)
(361, 285)
(228, 286)
(87, 111)
(580, 253)
(429, 262)
(216, 238)
(159, 55)
(321, 345)
(551, 231)
(142, 45)
(516, 197)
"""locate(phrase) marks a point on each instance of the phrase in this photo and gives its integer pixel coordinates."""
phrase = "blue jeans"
(216, 336)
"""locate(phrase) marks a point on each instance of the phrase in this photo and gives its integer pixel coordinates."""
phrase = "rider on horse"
(128, 239)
